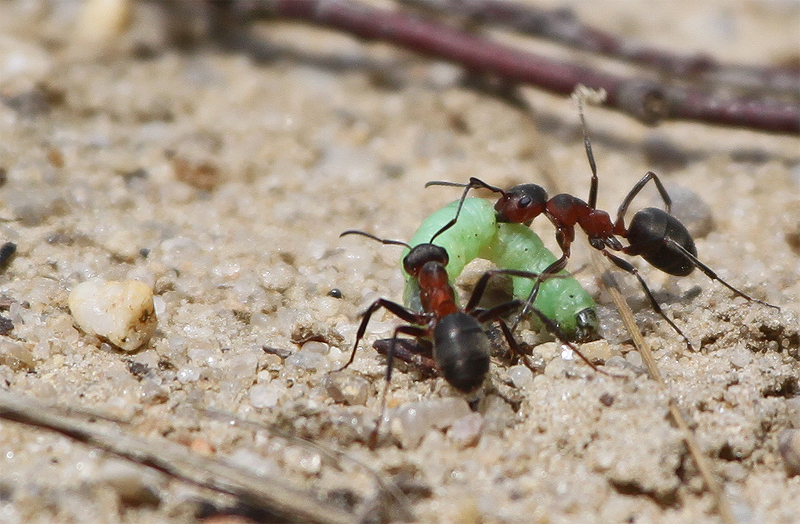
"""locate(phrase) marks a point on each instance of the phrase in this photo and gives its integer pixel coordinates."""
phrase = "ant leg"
(549, 272)
(393, 307)
(474, 183)
(499, 311)
(410, 351)
(553, 328)
(414, 331)
(710, 273)
(480, 287)
(496, 312)
(628, 267)
(512, 343)
(623, 208)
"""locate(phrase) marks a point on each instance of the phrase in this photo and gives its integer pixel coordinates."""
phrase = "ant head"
(422, 254)
(521, 204)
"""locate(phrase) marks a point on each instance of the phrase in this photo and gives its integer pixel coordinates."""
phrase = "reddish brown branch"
(648, 101)
(562, 26)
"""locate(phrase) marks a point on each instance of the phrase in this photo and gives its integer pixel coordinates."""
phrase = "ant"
(460, 346)
(654, 234)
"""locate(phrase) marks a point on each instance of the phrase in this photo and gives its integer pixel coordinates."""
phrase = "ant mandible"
(461, 348)
(654, 234)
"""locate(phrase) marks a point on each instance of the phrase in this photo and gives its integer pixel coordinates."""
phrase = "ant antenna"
(588, 146)
(583, 94)
(474, 183)
(373, 237)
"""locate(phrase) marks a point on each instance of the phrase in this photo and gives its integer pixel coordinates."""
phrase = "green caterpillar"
(477, 234)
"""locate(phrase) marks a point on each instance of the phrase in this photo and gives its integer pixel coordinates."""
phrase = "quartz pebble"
(789, 447)
(265, 395)
(347, 387)
(102, 20)
(412, 421)
(134, 485)
(15, 355)
(466, 430)
(121, 312)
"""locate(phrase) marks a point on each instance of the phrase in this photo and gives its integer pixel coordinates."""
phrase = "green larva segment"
(510, 246)
(476, 227)
(563, 300)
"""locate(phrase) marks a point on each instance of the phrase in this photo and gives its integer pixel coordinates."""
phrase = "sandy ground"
(223, 179)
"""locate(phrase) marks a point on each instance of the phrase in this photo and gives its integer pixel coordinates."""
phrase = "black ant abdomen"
(653, 234)
(464, 370)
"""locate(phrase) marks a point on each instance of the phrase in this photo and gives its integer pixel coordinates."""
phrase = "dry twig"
(646, 100)
(562, 26)
(271, 495)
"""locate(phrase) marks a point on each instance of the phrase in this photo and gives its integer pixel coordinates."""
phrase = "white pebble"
(264, 395)
(316, 347)
(134, 485)
(521, 376)
(789, 447)
(121, 312)
(634, 358)
(188, 374)
(467, 430)
(308, 360)
(102, 20)
(241, 367)
(740, 357)
(412, 421)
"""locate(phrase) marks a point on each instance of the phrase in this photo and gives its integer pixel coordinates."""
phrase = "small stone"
(265, 395)
(102, 20)
(412, 421)
(466, 431)
(789, 446)
(347, 387)
(121, 312)
(740, 357)
(597, 351)
(15, 355)
(316, 347)
(202, 446)
(634, 358)
(308, 360)
(521, 376)
(692, 211)
(134, 485)
(188, 374)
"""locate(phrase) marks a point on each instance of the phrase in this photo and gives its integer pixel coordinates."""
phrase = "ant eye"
(524, 201)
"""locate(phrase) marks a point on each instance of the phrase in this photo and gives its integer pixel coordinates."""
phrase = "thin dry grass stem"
(600, 266)
(714, 487)
(399, 501)
(271, 495)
